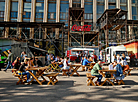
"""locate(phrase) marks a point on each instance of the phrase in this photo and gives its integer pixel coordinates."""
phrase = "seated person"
(85, 62)
(82, 59)
(52, 59)
(22, 69)
(38, 63)
(124, 64)
(31, 63)
(66, 65)
(57, 59)
(16, 64)
(90, 59)
(111, 67)
(94, 71)
(61, 61)
(119, 71)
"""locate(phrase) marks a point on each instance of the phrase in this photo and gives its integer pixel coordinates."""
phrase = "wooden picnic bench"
(90, 79)
(52, 78)
(64, 72)
(21, 78)
(127, 72)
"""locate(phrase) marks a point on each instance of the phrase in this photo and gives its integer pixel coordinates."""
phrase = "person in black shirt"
(38, 63)
(22, 69)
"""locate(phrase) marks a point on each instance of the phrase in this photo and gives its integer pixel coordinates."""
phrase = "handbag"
(107, 75)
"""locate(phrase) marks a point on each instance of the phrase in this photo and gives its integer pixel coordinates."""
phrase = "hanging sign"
(81, 28)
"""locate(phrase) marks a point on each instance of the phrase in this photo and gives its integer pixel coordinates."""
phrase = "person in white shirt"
(124, 64)
(66, 65)
(111, 66)
(118, 58)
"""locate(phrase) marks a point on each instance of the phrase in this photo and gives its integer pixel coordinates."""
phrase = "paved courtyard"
(68, 89)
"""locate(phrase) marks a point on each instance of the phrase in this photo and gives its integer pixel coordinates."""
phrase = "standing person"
(101, 56)
(77, 54)
(23, 55)
(115, 58)
(95, 58)
(94, 72)
(118, 58)
(9, 59)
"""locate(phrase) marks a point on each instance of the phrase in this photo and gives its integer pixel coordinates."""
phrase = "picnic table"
(52, 78)
(21, 78)
(103, 72)
(39, 73)
(75, 67)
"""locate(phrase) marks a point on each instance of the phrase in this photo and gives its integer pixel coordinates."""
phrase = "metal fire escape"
(79, 34)
(114, 24)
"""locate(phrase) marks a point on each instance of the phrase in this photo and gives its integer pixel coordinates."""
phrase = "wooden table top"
(14, 69)
(74, 64)
(38, 68)
(107, 70)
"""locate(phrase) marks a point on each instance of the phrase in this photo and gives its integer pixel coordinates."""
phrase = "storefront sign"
(81, 28)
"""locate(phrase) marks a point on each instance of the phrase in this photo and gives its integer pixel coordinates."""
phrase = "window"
(88, 10)
(134, 13)
(39, 11)
(123, 7)
(100, 0)
(133, 1)
(2, 6)
(112, 7)
(64, 7)
(122, 1)
(100, 10)
(2, 9)
(27, 11)
(111, 0)
(52, 11)
(76, 3)
(14, 10)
